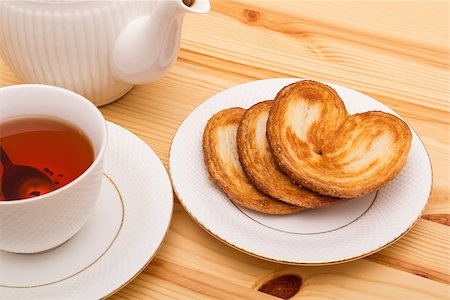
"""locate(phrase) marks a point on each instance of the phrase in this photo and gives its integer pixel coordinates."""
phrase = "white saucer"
(121, 237)
(340, 233)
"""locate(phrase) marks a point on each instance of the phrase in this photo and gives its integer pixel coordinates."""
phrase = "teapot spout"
(147, 46)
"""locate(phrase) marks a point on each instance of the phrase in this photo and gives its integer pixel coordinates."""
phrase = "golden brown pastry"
(259, 166)
(318, 145)
(221, 158)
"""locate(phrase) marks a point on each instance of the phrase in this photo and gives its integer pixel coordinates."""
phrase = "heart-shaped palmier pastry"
(222, 161)
(258, 164)
(319, 145)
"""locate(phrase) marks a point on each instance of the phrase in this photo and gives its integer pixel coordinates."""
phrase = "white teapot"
(99, 49)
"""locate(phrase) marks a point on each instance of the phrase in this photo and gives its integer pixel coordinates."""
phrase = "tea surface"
(55, 147)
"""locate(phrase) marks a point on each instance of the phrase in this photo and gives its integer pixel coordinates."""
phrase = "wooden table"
(396, 52)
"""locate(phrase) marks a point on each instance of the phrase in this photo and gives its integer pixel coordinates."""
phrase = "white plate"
(324, 236)
(121, 237)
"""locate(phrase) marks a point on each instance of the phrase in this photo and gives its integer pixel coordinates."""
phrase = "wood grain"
(424, 252)
(188, 248)
(396, 52)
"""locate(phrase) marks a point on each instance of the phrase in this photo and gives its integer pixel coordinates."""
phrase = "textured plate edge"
(299, 263)
(146, 264)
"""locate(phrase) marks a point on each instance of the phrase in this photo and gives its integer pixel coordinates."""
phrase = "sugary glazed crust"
(222, 162)
(260, 167)
(316, 143)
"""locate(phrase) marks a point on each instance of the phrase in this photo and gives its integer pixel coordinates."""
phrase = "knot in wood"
(284, 287)
(251, 15)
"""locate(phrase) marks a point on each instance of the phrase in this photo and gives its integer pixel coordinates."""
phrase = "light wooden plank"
(148, 286)
(226, 273)
(419, 27)
(356, 65)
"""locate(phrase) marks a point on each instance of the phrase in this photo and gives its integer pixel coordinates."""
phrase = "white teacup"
(44, 222)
